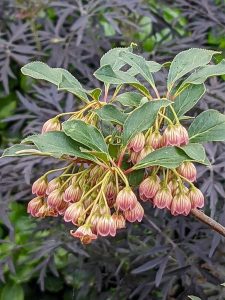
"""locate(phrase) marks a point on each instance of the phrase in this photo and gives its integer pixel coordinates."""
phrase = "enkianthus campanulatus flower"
(96, 196)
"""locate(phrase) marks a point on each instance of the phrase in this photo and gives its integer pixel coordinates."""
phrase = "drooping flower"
(74, 212)
(149, 187)
(39, 187)
(119, 220)
(106, 226)
(144, 152)
(34, 205)
(171, 136)
(196, 197)
(55, 201)
(184, 138)
(126, 199)
(163, 198)
(46, 211)
(84, 233)
(154, 140)
(134, 157)
(110, 194)
(53, 185)
(188, 170)
(51, 125)
(137, 143)
(181, 205)
(73, 193)
(135, 214)
(173, 186)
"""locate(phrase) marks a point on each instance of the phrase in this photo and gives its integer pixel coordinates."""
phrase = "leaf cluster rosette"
(120, 140)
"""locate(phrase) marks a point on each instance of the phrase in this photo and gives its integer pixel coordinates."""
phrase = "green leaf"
(141, 119)
(194, 298)
(111, 113)
(12, 291)
(168, 157)
(202, 74)
(136, 177)
(20, 150)
(58, 76)
(186, 61)
(130, 99)
(187, 99)
(139, 64)
(95, 94)
(85, 134)
(110, 76)
(196, 152)
(112, 57)
(208, 126)
(57, 144)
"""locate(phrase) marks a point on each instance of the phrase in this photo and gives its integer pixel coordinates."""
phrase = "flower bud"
(51, 125)
(119, 220)
(137, 143)
(72, 193)
(53, 185)
(134, 157)
(184, 138)
(94, 221)
(135, 214)
(171, 136)
(74, 212)
(196, 197)
(163, 198)
(144, 152)
(84, 233)
(149, 187)
(106, 226)
(188, 170)
(46, 211)
(55, 200)
(154, 140)
(39, 187)
(126, 199)
(181, 205)
(173, 186)
(110, 192)
(34, 205)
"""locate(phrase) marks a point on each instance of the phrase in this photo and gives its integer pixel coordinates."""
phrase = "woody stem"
(209, 221)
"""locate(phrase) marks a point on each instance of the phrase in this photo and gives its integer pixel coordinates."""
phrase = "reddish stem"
(128, 171)
(120, 160)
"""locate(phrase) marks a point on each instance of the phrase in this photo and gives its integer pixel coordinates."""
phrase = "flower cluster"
(174, 191)
(97, 201)
(143, 144)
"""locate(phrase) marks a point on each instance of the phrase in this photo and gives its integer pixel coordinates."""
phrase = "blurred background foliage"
(164, 257)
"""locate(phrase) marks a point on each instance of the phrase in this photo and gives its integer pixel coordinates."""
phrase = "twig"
(209, 221)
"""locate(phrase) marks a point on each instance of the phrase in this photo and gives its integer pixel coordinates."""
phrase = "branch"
(209, 221)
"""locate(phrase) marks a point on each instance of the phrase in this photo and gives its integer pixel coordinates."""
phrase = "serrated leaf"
(168, 157)
(111, 113)
(57, 144)
(139, 64)
(208, 126)
(141, 119)
(202, 74)
(187, 99)
(186, 61)
(130, 99)
(195, 151)
(85, 134)
(19, 150)
(58, 76)
(112, 57)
